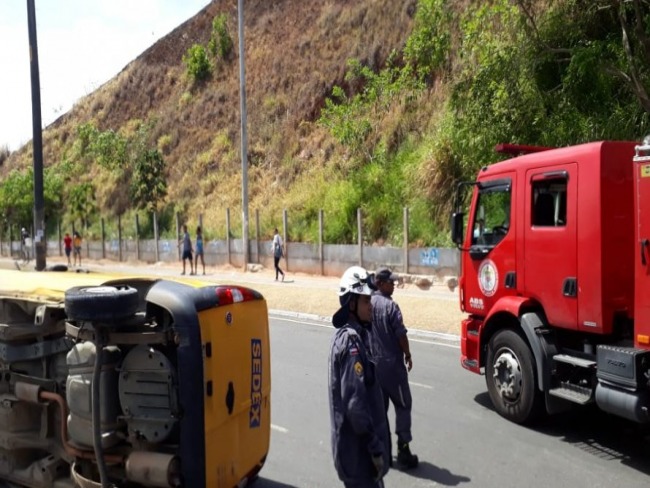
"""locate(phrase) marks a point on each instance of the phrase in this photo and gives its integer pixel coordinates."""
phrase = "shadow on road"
(607, 437)
(428, 471)
(483, 399)
(264, 483)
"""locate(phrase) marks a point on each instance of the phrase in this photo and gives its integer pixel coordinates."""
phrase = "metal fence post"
(406, 240)
(321, 258)
(103, 239)
(87, 239)
(155, 237)
(360, 236)
(257, 235)
(178, 235)
(119, 238)
(228, 233)
(58, 230)
(137, 237)
(284, 238)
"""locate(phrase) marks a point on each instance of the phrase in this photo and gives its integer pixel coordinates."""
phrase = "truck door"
(550, 242)
(489, 263)
(642, 266)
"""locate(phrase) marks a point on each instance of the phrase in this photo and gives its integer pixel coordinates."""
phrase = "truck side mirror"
(457, 228)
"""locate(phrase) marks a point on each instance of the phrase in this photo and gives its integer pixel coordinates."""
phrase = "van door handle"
(644, 244)
(230, 397)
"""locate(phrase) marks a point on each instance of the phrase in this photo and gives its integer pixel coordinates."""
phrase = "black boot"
(405, 459)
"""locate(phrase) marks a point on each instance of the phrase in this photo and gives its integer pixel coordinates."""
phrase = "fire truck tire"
(101, 303)
(511, 377)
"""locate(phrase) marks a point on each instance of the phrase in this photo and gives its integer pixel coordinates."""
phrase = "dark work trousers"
(393, 378)
(276, 263)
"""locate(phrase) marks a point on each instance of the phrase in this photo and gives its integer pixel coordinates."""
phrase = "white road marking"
(306, 321)
(279, 429)
(413, 383)
(329, 326)
(446, 344)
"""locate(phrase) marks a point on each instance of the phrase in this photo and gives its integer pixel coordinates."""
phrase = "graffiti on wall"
(429, 257)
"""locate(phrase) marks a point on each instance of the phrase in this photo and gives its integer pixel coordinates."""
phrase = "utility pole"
(244, 142)
(38, 238)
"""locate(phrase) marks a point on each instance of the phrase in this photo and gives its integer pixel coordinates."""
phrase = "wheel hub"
(507, 375)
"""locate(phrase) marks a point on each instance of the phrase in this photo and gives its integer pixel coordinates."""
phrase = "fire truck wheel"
(101, 303)
(511, 377)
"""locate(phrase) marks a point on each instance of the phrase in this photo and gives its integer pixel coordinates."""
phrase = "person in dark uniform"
(392, 355)
(360, 443)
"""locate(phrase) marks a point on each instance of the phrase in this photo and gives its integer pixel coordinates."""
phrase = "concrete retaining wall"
(300, 257)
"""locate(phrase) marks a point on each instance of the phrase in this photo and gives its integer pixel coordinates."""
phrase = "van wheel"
(511, 378)
(101, 303)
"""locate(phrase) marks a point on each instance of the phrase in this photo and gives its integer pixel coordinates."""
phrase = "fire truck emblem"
(488, 278)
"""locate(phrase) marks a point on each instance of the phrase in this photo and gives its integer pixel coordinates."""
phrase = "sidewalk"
(434, 310)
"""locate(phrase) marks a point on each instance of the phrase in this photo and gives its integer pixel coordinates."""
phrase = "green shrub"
(427, 48)
(220, 44)
(197, 63)
(149, 184)
(185, 99)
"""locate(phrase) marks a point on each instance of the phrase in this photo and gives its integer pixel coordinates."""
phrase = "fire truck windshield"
(492, 216)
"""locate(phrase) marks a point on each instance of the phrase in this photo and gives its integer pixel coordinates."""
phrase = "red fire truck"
(556, 279)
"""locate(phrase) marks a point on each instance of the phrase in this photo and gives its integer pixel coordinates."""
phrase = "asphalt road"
(459, 438)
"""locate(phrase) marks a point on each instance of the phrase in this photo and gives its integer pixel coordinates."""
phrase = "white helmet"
(356, 280)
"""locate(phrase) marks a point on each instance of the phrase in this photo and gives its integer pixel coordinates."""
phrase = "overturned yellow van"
(177, 396)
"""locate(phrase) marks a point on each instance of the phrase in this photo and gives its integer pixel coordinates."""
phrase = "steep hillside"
(368, 104)
(296, 51)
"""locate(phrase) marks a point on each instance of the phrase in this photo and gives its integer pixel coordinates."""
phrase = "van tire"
(101, 303)
(511, 377)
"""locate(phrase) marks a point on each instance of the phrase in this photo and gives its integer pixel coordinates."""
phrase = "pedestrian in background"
(278, 252)
(199, 250)
(359, 428)
(67, 246)
(392, 355)
(25, 243)
(76, 244)
(186, 247)
(23, 235)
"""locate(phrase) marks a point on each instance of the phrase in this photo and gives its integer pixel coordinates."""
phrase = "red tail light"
(227, 295)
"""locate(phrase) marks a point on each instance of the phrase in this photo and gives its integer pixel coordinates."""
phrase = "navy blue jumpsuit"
(387, 329)
(358, 418)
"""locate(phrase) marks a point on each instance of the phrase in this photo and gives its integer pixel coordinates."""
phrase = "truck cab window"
(549, 203)
(492, 216)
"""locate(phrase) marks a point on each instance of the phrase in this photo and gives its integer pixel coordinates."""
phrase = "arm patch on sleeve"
(358, 368)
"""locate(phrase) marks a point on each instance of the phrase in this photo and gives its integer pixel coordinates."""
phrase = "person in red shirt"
(67, 245)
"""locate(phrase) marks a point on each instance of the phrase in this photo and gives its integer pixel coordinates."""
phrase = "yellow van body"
(185, 378)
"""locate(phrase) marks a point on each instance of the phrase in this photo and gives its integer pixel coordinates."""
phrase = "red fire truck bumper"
(470, 344)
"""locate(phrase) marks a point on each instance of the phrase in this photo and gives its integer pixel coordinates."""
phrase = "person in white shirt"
(278, 252)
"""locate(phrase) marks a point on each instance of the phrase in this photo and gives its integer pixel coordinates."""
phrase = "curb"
(325, 320)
